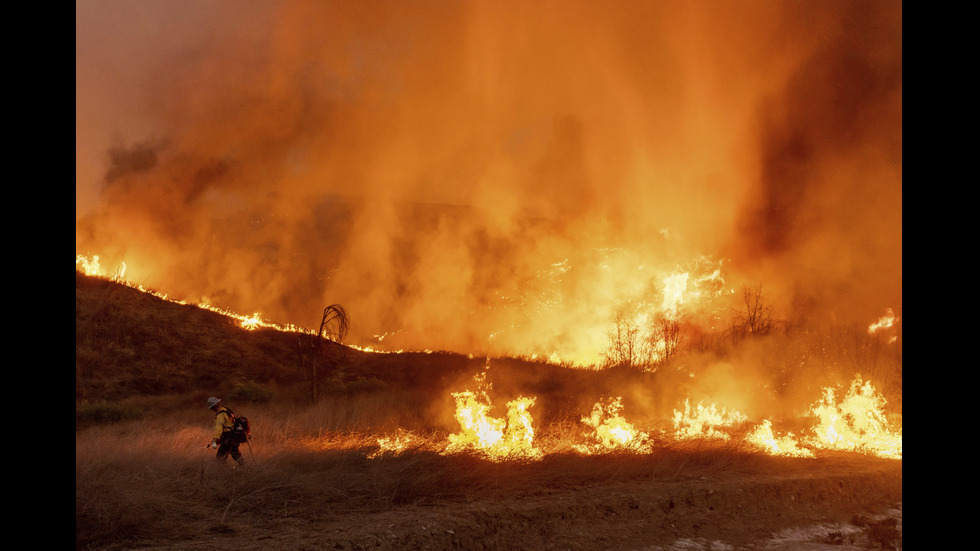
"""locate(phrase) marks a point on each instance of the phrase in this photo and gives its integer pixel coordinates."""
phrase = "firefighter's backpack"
(240, 428)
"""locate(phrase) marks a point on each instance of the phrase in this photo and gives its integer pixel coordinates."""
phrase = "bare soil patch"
(628, 503)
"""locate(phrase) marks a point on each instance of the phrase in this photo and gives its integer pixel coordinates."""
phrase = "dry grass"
(135, 482)
(139, 483)
(144, 368)
(143, 482)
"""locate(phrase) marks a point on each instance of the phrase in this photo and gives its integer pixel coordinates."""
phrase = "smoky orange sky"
(492, 176)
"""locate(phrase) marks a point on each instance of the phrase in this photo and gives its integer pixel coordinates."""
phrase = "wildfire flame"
(675, 286)
(610, 430)
(393, 445)
(497, 439)
(587, 200)
(888, 321)
(704, 422)
(857, 423)
(787, 445)
(91, 266)
(885, 322)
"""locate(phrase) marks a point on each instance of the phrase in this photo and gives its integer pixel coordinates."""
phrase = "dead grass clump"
(130, 493)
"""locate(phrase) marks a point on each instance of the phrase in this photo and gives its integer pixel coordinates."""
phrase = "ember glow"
(394, 445)
(92, 267)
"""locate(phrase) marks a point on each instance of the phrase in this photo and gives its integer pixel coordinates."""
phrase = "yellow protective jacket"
(222, 422)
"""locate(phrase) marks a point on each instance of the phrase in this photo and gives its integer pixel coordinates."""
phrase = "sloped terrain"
(135, 349)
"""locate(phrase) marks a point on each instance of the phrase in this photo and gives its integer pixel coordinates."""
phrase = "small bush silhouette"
(250, 391)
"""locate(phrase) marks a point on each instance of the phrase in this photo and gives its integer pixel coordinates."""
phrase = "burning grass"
(137, 484)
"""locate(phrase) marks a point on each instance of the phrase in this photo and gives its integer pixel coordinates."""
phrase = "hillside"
(132, 344)
(316, 479)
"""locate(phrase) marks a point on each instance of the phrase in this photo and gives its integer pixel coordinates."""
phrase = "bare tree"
(335, 323)
(626, 348)
(333, 327)
(756, 320)
(666, 338)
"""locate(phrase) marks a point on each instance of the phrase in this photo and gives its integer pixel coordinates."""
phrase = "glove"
(213, 444)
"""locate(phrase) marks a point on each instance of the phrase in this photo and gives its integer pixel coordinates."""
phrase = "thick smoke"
(491, 176)
(826, 207)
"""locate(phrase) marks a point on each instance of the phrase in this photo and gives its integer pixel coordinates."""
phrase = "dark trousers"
(228, 445)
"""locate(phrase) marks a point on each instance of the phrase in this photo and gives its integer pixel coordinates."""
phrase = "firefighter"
(223, 439)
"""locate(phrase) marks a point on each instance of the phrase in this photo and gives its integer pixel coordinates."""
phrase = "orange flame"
(857, 423)
(888, 321)
(497, 439)
(393, 445)
(763, 438)
(611, 431)
(90, 266)
(885, 322)
(704, 422)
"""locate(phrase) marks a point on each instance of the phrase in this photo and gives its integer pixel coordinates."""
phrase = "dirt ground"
(842, 505)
